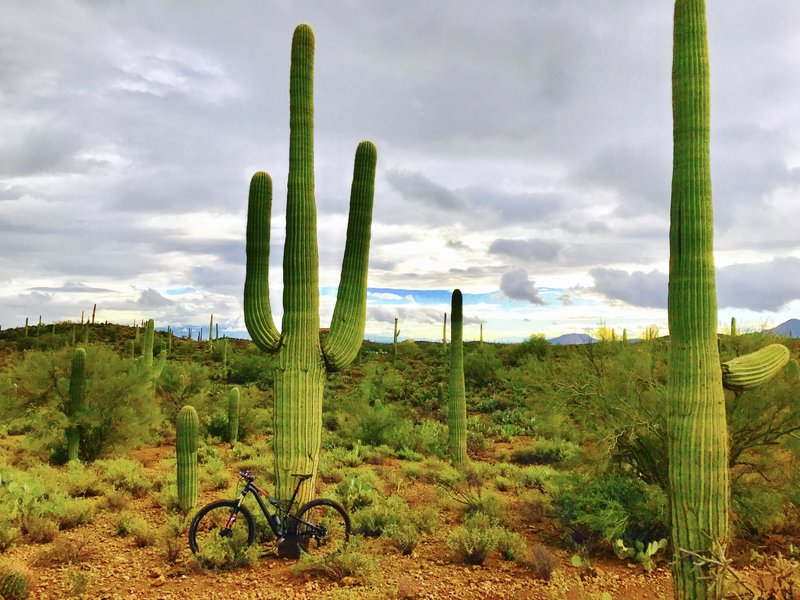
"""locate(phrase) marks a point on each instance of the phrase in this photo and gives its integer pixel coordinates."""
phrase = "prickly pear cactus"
(186, 451)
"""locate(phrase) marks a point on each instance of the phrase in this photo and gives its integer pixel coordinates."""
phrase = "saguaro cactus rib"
(300, 376)
(697, 429)
(753, 369)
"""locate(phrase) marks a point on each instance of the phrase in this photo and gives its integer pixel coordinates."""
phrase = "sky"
(524, 157)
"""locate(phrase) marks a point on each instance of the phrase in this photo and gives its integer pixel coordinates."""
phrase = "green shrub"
(510, 544)
(598, 511)
(124, 474)
(472, 542)
(542, 562)
(15, 581)
(8, 533)
(405, 537)
(352, 561)
(545, 452)
(83, 481)
(227, 553)
(373, 520)
(120, 410)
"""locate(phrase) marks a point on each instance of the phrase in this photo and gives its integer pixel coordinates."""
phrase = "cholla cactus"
(303, 359)
(186, 451)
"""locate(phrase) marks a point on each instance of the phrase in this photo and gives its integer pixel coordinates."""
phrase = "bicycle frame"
(281, 529)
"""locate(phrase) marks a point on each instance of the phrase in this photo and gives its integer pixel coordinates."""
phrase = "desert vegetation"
(564, 487)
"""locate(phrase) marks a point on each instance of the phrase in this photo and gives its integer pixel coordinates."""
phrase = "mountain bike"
(320, 526)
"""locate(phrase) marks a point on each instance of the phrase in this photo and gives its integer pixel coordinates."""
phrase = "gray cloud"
(538, 250)
(417, 188)
(637, 288)
(516, 285)
(71, 286)
(759, 286)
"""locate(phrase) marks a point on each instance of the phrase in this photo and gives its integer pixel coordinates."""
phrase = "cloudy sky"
(524, 157)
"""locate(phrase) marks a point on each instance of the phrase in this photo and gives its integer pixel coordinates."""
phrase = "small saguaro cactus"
(303, 359)
(186, 453)
(26, 326)
(444, 334)
(481, 335)
(733, 326)
(624, 335)
(210, 330)
(233, 415)
(394, 343)
(147, 346)
(77, 388)
(94, 311)
(457, 406)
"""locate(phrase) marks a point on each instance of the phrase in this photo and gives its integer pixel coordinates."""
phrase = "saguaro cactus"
(147, 345)
(696, 426)
(186, 452)
(394, 344)
(733, 326)
(233, 415)
(302, 359)
(77, 387)
(457, 406)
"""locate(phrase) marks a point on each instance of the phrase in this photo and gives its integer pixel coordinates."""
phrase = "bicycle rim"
(221, 533)
(324, 527)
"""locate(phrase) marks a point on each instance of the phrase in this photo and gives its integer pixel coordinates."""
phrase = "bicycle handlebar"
(247, 475)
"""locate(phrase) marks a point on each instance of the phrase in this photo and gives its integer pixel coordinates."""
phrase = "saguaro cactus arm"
(257, 309)
(754, 369)
(350, 312)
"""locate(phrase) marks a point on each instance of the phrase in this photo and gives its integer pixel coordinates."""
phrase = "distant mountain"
(570, 339)
(790, 328)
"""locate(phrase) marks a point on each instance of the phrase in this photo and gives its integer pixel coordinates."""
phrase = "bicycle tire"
(210, 520)
(335, 520)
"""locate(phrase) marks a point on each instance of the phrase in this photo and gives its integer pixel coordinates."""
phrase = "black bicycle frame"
(284, 512)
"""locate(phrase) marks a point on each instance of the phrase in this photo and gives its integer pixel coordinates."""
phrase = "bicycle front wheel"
(222, 528)
(323, 526)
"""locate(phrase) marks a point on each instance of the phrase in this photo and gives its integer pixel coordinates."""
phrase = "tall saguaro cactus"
(233, 415)
(147, 345)
(457, 406)
(303, 359)
(186, 454)
(394, 343)
(77, 387)
(696, 425)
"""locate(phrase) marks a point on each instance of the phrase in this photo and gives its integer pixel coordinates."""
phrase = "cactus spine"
(751, 370)
(186, 451)
(696, 425)
(302, 359)
(457, 406)
(233, 415)
(77, 388)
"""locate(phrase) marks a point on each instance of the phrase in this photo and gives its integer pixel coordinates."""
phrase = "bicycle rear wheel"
(222, 528)
(323, 527)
